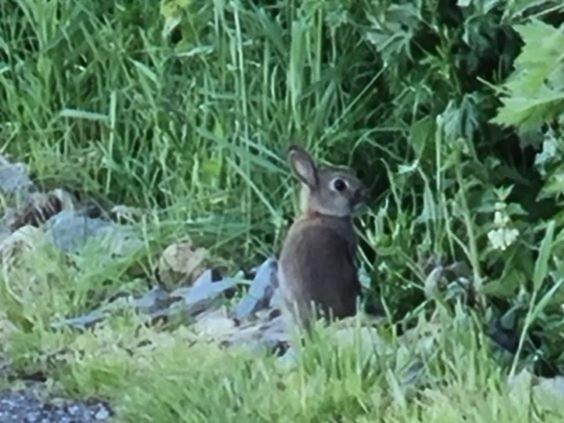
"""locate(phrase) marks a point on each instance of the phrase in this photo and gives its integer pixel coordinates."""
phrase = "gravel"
(26, 406)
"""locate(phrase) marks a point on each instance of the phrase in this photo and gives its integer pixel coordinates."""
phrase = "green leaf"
(462, 119)
(172, 11)
(534, 93)
(506, 286)
(82, 114)
(393, 30)
(422, 135)
(554, 185)
(541, 264)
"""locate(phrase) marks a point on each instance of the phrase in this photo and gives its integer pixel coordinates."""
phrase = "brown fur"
(317, 262)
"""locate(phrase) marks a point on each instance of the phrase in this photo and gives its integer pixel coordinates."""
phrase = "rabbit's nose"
(361, 196)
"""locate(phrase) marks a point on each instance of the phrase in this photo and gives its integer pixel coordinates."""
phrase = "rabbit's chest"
(317, 264)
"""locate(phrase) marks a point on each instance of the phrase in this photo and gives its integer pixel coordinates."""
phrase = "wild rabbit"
(317, 270)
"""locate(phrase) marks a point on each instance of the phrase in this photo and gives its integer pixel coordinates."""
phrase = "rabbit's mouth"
(358, 208)
(359, 200)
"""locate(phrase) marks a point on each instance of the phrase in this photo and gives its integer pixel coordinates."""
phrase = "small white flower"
(498, 218)
(501, 219)
(502, 238)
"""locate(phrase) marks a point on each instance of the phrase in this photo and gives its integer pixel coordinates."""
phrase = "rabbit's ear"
(303, 165)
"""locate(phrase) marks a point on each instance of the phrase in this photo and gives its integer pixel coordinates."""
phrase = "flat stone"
(84, 321)
(198, 297)
(215, 323)
(152, 301)
(274, 334)
(70, 231)
(261, 291)
(14, 177)
(550, 392)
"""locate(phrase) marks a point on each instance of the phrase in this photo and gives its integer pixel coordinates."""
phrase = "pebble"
(26, 407)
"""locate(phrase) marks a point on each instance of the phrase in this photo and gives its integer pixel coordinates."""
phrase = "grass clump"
(163, 380)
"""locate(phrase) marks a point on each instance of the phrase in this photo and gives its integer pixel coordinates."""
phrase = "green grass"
(452, 114)
(150, 374)
(154, 376)
(442, 368)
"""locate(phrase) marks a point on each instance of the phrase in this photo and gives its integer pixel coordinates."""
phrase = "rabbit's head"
(330, 191)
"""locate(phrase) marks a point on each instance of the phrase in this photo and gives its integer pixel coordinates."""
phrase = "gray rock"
(154, 300)
(13, 177)
(550, 392)
(102, 414)
(215, 323)
(84, 321)
(262, 289)
(198, 297)
(70, 230)
(276, 300)
(274, 334)
(265, 333)
(157, 303)
(248, 337)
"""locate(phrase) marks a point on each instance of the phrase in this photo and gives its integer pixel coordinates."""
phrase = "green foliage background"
(451, 111)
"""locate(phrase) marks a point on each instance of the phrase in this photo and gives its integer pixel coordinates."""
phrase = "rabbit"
(317, 270)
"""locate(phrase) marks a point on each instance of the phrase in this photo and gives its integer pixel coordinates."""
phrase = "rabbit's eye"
(339, 185)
